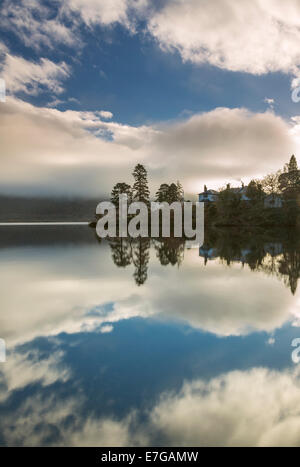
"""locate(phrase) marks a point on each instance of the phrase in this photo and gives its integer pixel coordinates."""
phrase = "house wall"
(208, 198)
(270, 202)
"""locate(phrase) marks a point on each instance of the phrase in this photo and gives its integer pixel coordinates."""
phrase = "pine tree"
(140, 188)
(180, 191)
(292, 164)
(119, 189)
(294, 174)
(289, 180)
(162, 193)
(120, 252)
(172, 193)
(255, 192)
(140, 260)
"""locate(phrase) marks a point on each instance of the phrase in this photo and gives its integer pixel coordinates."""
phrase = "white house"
(273, 201)
(211, 196)
(208, 196)
(242, 191)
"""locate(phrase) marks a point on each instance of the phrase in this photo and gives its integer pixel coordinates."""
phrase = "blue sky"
(132, 77)
(218, 81)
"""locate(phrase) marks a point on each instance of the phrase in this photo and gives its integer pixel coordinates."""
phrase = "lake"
(148, 343)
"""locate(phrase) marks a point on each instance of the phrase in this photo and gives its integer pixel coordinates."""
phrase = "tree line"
(139, 191)
(284, 183)
(273, 253)
(232, 209)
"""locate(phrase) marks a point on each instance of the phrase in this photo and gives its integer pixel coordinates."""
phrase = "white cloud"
(269, 100)
(39, 25)
(210, 295)
(22, 75)
(48, 149)
(106, 114)
(3, 50)
(103, 432)
(55, 102)
(36, 25)
(224, 144)
(254, 36)
(24, 368)
(106, 12)
(63, 418)
(107, 328)
(251, 408)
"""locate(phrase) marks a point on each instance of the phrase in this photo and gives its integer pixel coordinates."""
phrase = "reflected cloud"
(252, 408)
(25, 368)
(54, 297)
(257, 407)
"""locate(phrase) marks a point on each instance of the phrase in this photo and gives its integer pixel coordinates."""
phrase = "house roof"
(240, 189)
(209, 192)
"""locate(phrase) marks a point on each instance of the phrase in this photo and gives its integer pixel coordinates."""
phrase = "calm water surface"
(148, 343)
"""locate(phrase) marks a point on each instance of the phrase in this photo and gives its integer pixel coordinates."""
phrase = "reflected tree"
(289, 267)
(277, 255)
(170, 251)
(120, 251)
(125, 251)
(140, 258)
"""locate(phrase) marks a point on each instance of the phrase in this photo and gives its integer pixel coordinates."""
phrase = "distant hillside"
(18, 209)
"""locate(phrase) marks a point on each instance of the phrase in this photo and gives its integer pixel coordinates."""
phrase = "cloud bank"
(47, 151)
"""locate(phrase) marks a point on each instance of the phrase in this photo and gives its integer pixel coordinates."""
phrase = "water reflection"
(126, 251)
(279, 257)
(148, 342)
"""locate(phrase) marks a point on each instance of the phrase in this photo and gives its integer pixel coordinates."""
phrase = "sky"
(195, 90)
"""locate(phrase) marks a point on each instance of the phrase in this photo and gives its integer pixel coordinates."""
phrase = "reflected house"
(273, 248)
(281, 259)
(211, 253)
(243, 256)
(208, 253)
